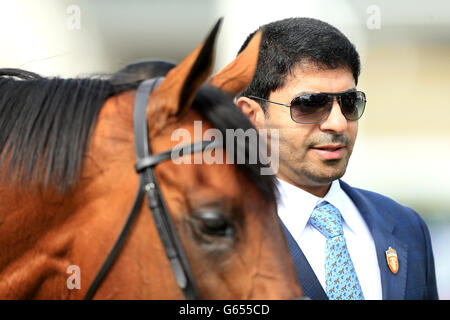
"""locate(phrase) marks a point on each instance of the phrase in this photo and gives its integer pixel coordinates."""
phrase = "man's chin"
(324, 177)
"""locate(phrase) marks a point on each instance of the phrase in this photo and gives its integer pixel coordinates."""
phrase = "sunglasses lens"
(310, 108)
(315, 107)
(353, 104)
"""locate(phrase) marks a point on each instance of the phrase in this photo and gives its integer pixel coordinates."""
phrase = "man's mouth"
(329, 151)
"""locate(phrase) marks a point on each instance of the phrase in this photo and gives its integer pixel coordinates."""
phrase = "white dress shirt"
(295, 207)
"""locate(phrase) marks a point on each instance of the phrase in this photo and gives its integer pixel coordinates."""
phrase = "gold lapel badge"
(392, 260)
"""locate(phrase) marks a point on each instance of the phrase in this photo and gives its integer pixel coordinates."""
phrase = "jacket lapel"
(305, 275)
(382, 226)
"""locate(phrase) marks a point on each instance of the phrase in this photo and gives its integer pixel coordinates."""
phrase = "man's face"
(311, 156)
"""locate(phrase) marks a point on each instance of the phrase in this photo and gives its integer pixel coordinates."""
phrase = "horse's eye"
(214, 224)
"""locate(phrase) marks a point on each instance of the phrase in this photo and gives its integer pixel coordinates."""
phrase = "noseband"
(148, 184)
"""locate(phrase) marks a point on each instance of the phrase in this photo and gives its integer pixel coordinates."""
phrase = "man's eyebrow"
(311, 91)
(305, 92)
(348, 90)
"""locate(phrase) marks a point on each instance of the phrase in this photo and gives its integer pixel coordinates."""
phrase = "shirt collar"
(296, 205)
(337, 197)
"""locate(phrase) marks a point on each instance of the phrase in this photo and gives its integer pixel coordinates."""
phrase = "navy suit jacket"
(391, 225)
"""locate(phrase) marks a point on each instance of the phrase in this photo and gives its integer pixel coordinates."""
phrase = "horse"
(68, 179)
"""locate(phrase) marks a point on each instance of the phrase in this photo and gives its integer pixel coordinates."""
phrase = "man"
(346, 243)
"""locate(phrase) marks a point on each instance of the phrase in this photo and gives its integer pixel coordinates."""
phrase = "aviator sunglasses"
(316, 107)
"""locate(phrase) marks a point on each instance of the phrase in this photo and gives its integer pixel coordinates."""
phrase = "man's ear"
(253, 111)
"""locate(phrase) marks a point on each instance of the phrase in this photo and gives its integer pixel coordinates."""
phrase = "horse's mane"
(46, 123)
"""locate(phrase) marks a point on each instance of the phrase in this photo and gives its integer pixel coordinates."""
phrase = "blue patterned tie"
(340, 276)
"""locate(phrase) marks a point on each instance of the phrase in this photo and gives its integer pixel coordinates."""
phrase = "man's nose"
(336, 121)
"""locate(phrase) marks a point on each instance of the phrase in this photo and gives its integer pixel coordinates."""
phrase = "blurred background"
(403, 147)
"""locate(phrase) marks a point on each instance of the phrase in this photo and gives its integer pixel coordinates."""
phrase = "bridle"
(148, 184)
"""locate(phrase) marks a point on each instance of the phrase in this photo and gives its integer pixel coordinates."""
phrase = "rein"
(148, 185)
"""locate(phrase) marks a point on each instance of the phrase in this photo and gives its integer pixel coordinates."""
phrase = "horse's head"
(224, 213)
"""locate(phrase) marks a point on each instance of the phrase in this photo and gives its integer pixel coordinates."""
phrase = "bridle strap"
(149, 184)
(152, 160)
(158, 207)
(107, 264)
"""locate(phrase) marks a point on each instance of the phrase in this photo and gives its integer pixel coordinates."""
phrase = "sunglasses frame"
(334, 94)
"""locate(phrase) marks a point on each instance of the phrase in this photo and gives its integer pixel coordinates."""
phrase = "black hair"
(46, 123)
(289, 42)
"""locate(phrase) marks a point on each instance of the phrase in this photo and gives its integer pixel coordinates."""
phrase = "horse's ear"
(178, 89)
(238, 74)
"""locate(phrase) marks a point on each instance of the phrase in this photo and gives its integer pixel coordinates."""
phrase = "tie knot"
(327, 219)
